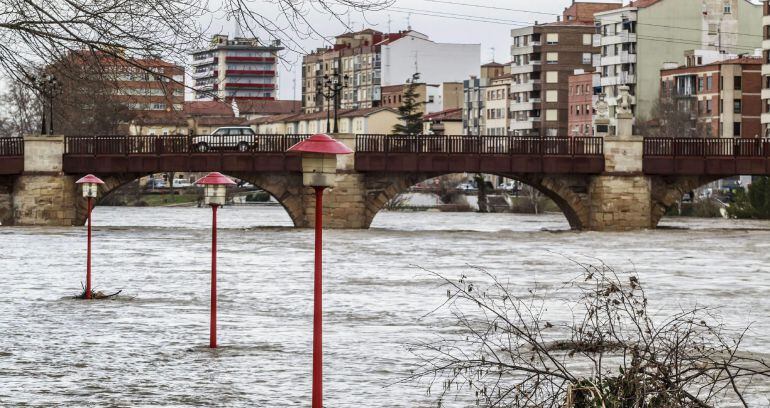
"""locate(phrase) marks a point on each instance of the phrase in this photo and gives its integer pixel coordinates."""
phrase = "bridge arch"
(568, 192)
(667, 190)
(285, 187)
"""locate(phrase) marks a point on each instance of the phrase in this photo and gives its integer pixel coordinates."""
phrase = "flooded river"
(151, 350)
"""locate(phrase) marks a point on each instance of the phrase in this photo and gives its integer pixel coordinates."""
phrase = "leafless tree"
(20, 110)
(673, 117)
(38, 32)
(607, 350)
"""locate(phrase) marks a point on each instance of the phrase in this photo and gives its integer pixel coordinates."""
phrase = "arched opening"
(262, 199)
(690, 197)
(502, 193)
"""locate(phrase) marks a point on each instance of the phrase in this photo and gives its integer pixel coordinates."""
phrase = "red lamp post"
(319, 166)
(215, 193)
(90, 190)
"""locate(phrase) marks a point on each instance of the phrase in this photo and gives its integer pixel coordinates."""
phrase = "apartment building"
(638, 39)
(722, 98)
(496, 106)
(474, 97)
(765, 68)
(544, 56)
(581, 100)
(371, 59)
(239, 68)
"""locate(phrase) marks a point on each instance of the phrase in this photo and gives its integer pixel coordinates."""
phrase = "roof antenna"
(237, 27)
(389, 24)
(409, 22)
(493, 54)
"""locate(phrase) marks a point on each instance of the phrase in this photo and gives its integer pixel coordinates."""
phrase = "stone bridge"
(601, 183)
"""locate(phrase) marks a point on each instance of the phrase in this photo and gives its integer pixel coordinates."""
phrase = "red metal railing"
(11, 146)
(711, 147)
(485, 145)
(179, 144)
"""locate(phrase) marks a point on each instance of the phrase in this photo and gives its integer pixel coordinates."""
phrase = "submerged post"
(215, 193)
(319, 167)
(90, 190)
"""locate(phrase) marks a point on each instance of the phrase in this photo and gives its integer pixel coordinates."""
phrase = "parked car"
(466, 187)
(181, 183)
(239, 138)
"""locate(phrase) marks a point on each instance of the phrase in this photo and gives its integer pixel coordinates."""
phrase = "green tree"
(410, 111)
(752, 204)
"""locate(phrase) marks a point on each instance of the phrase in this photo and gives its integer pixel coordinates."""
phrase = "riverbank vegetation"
(610, 351)
(754, 203)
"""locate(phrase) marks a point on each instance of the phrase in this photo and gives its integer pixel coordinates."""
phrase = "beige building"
(447, 122)
(496, 106)
(431, 97)
(376, 120)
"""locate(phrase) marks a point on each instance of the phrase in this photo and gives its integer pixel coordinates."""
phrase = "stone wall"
(620, 203)
(6, 200)
(45, 199)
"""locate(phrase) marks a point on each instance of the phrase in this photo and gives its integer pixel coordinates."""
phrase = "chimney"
(558, 19)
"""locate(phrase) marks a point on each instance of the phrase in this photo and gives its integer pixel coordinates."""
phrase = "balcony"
(203, 74)
(205, 61)
(765, 118)
(523, 69)
(765, 20)
(521, 106)
(765, 94)
(250, 72)
(533, 85)
(766, 69)
(623, 58)
(621, 79)
(619, 38)
(766, 44)
(528, 123)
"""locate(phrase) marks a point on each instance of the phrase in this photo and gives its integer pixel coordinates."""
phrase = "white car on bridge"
(240, 138)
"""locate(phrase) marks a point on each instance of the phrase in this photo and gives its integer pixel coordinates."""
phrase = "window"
(551, 115)
(737, 129)
(700, 85)
(587, 39)
(552, 77)
(552, 38)
(708, 105)
(728, 8)
(709, 83)
(552, 58)
(737, 83)
(586, 58)
(577, 90)
(577, 110)
(737, 106)
(551, 95)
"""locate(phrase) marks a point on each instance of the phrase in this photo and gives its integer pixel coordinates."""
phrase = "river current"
(149, 347)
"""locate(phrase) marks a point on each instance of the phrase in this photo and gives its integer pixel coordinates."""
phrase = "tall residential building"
(240, 68)
(496, 105)
(544, 56)
(371, 59)
(723, 98)
(638, 39)
(766, 68)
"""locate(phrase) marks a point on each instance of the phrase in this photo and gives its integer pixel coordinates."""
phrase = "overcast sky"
(456, 25)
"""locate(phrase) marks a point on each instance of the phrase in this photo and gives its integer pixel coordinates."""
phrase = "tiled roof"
(268, 107)
(445, 115)
(208, 108)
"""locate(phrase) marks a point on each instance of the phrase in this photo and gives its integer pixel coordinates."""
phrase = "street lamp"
(48, 87)
(214, 193)
(90, 190)
(319, 166)
(330, 89)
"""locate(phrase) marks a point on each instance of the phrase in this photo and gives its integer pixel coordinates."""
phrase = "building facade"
(496, 106)
(722, 98)
(367, 60)
(638, 39)
(238, 68)
(581, 100)
(766, 68)
(544, 56)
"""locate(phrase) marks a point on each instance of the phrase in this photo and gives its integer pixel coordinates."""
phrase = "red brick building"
(580, 101)
(723, 97)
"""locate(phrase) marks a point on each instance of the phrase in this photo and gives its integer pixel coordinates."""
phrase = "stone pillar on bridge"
(43, 194)
(345, 203)
(620, 198)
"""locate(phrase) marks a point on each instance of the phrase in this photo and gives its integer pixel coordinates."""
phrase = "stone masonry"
(622, 198)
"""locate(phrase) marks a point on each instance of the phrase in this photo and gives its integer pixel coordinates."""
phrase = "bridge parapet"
(11, 155)
(479, 154)
(706, 156)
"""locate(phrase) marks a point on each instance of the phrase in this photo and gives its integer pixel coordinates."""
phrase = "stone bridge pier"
(622, 197)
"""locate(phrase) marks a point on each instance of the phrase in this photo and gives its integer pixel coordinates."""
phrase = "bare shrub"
(608, 352)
